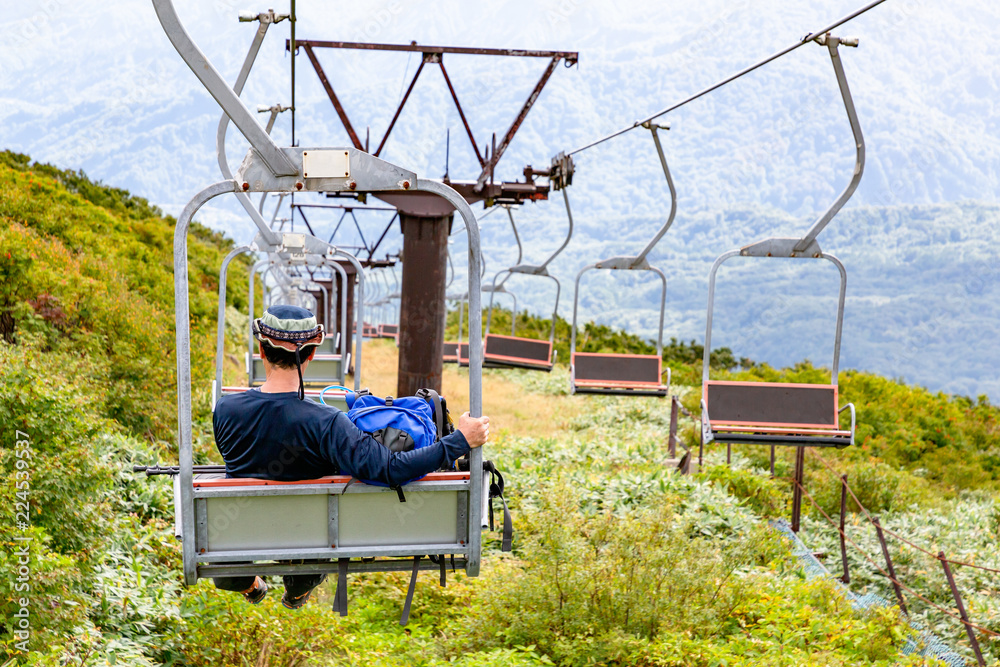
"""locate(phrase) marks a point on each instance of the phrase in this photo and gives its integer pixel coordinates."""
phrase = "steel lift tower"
(425, 220)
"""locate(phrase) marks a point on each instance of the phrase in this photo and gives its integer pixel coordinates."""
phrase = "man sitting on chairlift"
(270, 432)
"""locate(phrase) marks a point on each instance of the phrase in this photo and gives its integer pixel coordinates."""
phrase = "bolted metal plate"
(326, 164)
(366, 173)
(779, 247)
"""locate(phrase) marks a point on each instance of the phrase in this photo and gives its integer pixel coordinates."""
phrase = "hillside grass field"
(618, 559)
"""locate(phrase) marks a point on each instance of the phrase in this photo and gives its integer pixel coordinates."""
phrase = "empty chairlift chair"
(630, 374)
(519, 352)
(778, 413)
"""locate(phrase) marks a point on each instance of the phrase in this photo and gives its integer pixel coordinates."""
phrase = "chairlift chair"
(519, 352)
(778, 413)
(628, 374)
(324, 369)
(456, 351)
(231, 527)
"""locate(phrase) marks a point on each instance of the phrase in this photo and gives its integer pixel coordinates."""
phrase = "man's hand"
(475, 429)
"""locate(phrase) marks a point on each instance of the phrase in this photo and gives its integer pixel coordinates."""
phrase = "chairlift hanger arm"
(832, 43)
(808, 38)
(641, 258)
(517, 237)
(276, 160)
(265, 19)
(241, 79)
(520, 252)
(542, 269)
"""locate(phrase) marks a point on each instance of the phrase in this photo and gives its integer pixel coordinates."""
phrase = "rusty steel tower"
(425, 221)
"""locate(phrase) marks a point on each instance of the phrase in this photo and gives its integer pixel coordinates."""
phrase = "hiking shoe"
(256, 593)
(298, 602)
(295, 603)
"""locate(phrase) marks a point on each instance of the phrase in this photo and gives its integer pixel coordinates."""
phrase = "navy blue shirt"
(279, 437)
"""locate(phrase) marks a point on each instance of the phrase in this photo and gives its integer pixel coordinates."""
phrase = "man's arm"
(358, 454)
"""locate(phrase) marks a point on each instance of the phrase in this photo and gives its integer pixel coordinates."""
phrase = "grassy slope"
(584, 473)
(86, 279)
(580, 479)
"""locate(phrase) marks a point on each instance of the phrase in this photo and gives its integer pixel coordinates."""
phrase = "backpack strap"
(496, 491)
(434, 399)
(405, 618)
(340, 596)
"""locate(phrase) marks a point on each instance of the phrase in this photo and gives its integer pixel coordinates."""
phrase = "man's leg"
(297, 585)
(253, 588)
(235, 584)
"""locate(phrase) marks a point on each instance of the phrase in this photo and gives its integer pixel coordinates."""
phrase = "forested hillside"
(617, 558)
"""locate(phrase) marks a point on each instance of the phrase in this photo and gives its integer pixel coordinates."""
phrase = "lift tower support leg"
(422, 302)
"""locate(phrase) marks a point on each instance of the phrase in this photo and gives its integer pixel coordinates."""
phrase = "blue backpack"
(401, 424)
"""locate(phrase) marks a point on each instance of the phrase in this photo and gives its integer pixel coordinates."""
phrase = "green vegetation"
(617, 560)
(89, 270)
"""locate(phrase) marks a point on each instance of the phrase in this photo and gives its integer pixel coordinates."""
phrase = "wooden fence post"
(888, 563)
(961, 610)
(846, 577)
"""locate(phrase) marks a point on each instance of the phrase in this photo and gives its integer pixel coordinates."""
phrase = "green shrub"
(94, 269)
(759, 493)
(636, 573)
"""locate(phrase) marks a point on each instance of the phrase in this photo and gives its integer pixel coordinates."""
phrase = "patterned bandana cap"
(289, 324)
